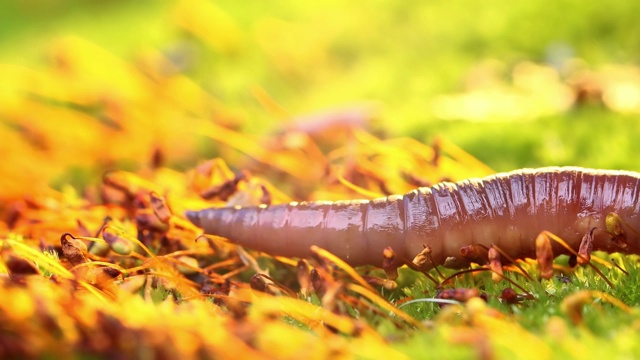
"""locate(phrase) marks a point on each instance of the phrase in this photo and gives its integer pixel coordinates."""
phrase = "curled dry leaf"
(160, 207)
(73, 249)
(495, 264)
(544, 255)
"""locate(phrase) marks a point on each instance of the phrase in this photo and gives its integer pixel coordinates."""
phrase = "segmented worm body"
(507, 209)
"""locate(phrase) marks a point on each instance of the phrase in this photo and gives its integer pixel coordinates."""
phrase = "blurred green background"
(405, 59)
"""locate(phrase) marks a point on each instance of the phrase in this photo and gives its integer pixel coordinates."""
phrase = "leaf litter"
(113, 269)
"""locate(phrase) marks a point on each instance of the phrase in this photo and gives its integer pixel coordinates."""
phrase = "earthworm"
(507, 210)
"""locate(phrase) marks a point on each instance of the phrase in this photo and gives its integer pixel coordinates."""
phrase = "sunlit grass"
(589, 137)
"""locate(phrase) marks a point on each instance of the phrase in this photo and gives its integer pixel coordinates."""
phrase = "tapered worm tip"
(194, 217)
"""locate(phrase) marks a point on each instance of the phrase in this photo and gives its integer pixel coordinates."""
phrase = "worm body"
(507, 209)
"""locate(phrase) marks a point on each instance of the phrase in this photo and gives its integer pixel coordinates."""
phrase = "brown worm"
(507, 209)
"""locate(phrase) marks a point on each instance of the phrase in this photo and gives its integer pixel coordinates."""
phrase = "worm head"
(194, 217)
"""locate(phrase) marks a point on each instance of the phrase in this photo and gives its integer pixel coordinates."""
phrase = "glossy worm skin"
(507, 209)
